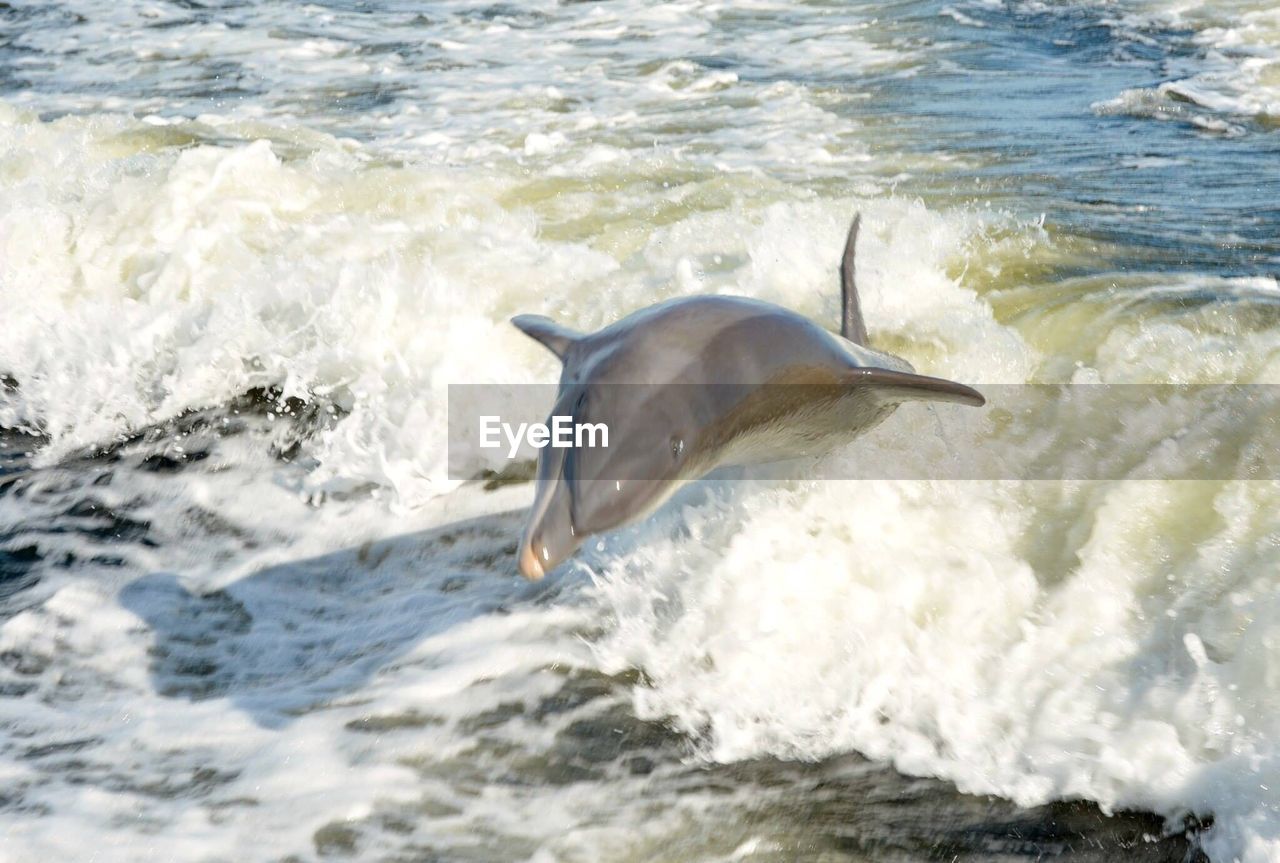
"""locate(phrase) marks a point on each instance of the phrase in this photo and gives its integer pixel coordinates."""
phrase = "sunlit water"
(244, 614)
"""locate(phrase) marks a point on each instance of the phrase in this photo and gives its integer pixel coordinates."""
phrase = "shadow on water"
(291, 637)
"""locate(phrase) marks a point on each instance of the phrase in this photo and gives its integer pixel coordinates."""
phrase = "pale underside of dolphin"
(696, 383)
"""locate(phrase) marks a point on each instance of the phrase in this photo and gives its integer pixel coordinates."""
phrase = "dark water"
(1016, 97)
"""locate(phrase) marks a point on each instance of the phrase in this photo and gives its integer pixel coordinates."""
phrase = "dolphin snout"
(530, 566)
(549, 536)
(545, 547)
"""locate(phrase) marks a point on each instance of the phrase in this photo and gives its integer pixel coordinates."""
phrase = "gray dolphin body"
(692, 384)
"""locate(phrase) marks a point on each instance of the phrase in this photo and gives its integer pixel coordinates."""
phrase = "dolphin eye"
(677, 447)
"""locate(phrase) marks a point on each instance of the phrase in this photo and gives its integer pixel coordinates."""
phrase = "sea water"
(246, 614)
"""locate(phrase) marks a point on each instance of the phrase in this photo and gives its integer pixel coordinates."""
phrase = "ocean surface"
(246, 615)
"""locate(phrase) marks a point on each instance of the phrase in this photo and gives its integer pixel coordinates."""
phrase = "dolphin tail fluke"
(553, 336)
(891, 386)
(851, 324)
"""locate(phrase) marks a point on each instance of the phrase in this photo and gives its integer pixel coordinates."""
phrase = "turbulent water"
(246, 615)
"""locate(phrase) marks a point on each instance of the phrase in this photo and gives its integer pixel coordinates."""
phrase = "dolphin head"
(639, 452)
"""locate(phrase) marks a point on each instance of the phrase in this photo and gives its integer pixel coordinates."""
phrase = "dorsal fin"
(553, 336)
(851, 325)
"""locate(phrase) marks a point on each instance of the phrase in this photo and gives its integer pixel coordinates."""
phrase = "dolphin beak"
(549, 536)
(530, 566)
(545, 546)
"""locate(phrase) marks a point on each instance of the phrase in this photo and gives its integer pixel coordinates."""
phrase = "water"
(244, 614)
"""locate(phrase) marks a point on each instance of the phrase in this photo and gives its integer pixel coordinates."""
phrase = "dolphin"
(695, 383)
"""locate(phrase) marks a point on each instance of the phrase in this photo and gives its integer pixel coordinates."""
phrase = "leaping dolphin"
(695, 383)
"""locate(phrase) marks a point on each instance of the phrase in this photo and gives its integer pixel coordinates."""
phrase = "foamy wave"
(141, 284)
(1112, 641)
(1237, 74)
(466, 84)
(142, 281)
(1037, 643)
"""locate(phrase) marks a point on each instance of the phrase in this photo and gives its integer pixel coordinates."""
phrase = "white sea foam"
(1098, 641)
(140, 288)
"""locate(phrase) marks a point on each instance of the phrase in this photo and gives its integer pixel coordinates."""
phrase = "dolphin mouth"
(530, 567)
(549, 536)
(538, 555)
